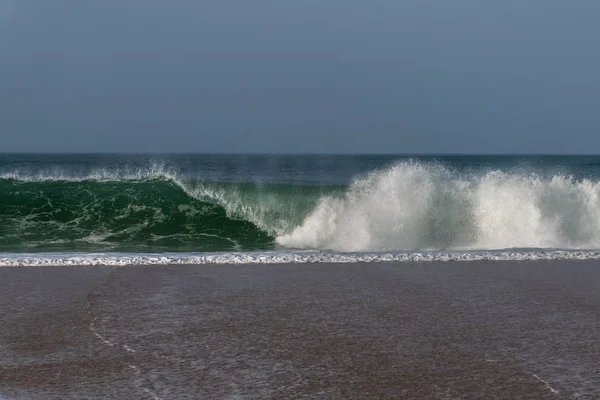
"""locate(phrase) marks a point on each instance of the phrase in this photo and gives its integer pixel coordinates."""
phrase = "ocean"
(106, 209)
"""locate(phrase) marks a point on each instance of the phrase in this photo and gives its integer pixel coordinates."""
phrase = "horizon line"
(296, 154)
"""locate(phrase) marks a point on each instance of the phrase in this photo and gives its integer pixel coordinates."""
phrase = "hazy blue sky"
(399, 76)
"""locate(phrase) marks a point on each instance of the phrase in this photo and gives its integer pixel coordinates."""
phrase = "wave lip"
(301, 257)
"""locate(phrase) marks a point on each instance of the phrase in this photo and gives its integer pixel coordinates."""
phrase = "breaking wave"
(409, 206)
(413, 206)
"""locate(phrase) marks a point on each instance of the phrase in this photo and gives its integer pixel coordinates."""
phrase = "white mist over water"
(415, 206)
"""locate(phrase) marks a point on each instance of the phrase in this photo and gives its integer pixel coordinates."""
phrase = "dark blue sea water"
(233, 208)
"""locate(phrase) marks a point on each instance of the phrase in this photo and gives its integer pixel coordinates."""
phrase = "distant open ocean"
(163, 209)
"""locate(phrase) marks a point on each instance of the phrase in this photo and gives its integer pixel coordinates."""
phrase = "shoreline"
(122, 259)
(493, 329)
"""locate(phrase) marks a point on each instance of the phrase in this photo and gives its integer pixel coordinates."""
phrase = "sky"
(302, 76)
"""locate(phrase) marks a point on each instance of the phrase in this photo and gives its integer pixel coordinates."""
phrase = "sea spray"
(415, 206)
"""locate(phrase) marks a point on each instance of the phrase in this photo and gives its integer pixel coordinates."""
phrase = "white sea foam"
(300, 257)
(414, 206)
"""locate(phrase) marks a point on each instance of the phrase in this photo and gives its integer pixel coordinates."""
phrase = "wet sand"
(488, 330)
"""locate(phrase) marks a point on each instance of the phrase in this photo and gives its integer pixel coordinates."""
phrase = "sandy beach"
(489, 330)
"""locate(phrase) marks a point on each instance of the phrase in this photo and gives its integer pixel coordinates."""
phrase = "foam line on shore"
(301, 257)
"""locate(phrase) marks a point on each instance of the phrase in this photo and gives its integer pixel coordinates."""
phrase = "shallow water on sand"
(413, 330)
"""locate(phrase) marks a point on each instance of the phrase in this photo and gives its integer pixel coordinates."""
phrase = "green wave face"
(96, 216)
